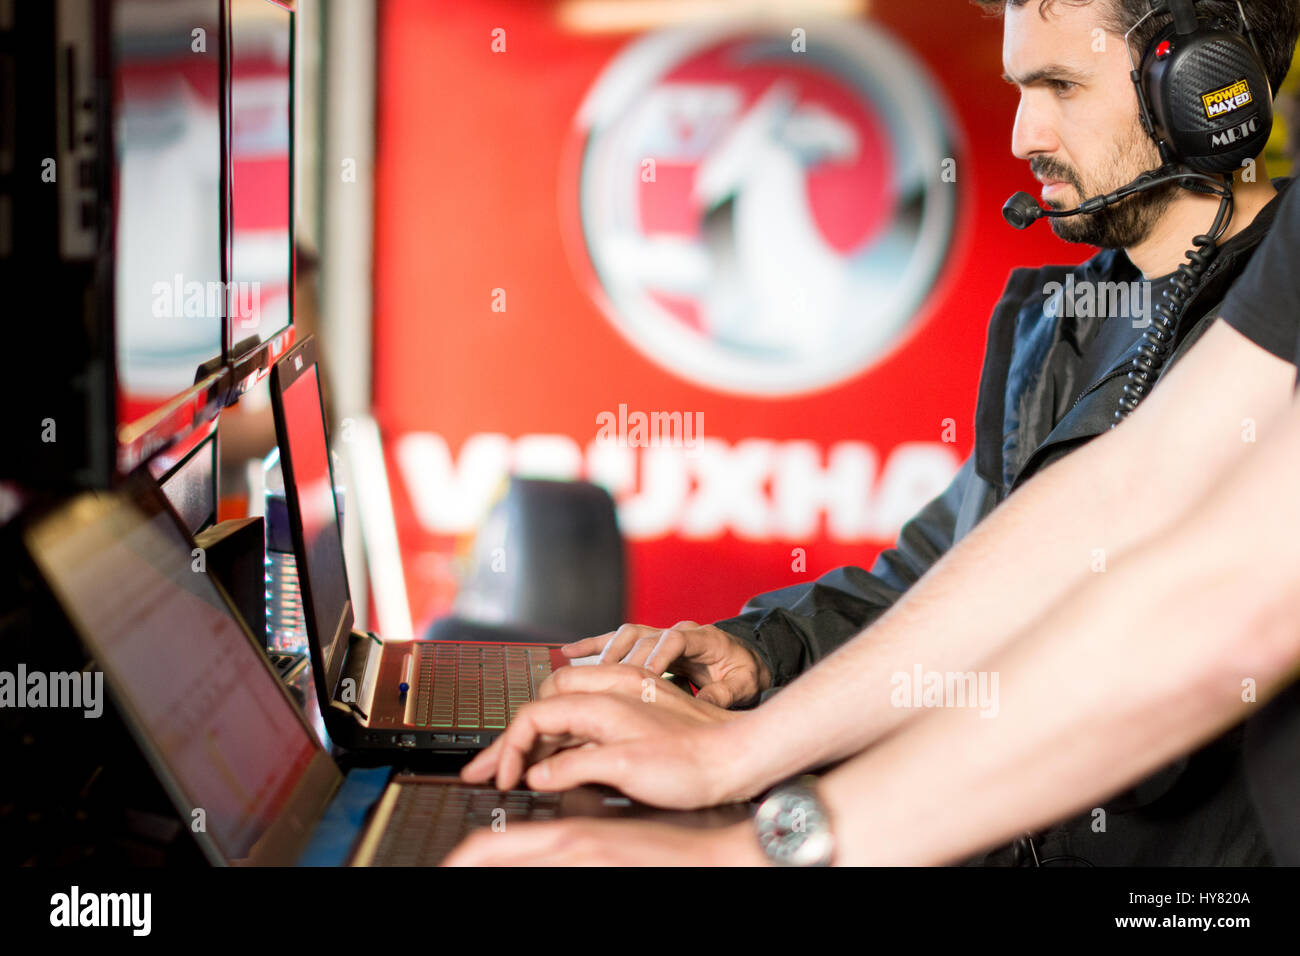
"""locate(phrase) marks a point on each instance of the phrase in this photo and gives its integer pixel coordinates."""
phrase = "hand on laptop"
(724, 670)
(581, 842)
(634, 682)
(655, 753)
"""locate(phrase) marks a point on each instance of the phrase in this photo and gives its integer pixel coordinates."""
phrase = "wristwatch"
(793, 826)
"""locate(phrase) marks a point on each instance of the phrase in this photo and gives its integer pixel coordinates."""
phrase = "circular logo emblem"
(759, 218)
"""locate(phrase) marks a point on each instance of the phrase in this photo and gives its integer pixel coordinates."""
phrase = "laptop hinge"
(360, 673)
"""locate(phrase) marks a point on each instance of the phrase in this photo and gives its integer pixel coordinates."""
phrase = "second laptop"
(377, 694)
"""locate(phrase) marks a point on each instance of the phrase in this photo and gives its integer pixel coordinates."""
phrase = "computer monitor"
(168, 290)
(119, 274)
(222, 734)
(261, 175)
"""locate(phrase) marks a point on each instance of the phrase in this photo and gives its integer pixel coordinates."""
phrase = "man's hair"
(1275, 24)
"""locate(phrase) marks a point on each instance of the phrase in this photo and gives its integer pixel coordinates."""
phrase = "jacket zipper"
(1127, 367)
(1113, 373)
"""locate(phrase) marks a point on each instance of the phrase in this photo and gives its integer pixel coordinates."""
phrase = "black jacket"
(1037, 402)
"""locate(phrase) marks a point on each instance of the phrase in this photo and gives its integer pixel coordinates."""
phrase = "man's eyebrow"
(1046, 74)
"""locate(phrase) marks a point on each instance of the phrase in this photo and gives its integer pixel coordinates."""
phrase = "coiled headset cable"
(1159, 337)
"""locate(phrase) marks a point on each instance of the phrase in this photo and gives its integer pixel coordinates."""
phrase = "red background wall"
(469, 189)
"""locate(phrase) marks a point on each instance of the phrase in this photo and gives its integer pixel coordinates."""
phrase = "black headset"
(1202, 88)
(1204, 97)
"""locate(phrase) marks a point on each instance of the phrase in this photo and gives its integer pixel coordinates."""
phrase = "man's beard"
(1129, 221)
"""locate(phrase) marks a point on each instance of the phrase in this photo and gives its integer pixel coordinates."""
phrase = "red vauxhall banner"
(737, 272)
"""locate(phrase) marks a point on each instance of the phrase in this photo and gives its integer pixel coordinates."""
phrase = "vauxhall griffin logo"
(759, 215)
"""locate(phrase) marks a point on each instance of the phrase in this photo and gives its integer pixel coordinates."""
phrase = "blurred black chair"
(547, 564)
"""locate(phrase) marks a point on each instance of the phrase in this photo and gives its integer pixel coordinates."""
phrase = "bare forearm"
(1062, 527)
(1072, 728)
(1140, 666)
(1002, 576)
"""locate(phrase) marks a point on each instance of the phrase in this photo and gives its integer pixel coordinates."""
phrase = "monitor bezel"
(140, 441)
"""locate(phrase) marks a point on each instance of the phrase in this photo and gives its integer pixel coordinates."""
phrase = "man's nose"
(1033, 133)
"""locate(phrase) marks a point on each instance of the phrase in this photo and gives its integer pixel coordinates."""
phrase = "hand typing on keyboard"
(655, 748)
(726, 671)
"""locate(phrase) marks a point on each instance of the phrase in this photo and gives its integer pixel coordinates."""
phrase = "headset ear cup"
(1208, 96)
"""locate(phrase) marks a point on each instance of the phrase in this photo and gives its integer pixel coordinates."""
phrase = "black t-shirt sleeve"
(1264, 304)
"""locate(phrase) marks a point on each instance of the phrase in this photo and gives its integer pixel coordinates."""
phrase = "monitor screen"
(181, 666)
(261, 117)
(304, 455)
(168, 289)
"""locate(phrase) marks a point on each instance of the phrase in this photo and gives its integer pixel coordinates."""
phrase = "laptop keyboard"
(429, 819)
(475, 685)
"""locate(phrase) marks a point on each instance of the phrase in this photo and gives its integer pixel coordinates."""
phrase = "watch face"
(793, 830)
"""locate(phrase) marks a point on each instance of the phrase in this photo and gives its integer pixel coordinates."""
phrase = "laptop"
(238, 760)
(376, 694)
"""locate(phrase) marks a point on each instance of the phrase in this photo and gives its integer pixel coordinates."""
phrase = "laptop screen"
(309, 488)
(222, 733)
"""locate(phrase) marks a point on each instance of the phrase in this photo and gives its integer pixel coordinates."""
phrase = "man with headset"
(1050, 385)
(1189, 632)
